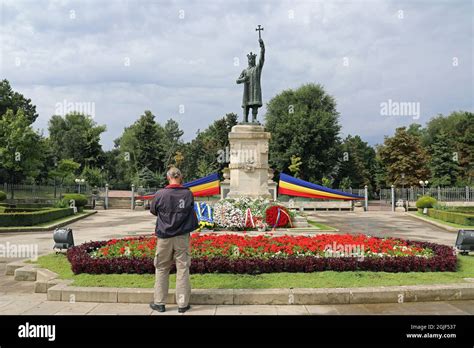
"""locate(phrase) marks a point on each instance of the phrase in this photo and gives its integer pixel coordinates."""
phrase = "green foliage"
(466, 219)
(356, 165)
(326, 182)
(77, 137)
(3, 196)
(61, 203)
(425, 202)
(206, 153)
(93, 176)
(33, 218)
(140, 146)
(10, 100)
(444, 168)
(65, 170)
(304, 122)
(295, 165)
(403, 154)
(21, 148)
(80, 199)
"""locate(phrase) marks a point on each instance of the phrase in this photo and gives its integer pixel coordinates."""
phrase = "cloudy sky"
(180, 59)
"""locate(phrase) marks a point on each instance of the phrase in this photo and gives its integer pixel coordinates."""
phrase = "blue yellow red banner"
(291, 186)
(207, 186)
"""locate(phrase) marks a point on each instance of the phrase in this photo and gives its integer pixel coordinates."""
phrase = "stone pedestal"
(248, 167)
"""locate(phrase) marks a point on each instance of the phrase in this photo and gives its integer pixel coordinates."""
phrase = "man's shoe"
(184, 309)
(158, 307)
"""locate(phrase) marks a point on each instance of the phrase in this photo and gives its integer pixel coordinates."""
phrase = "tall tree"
(207, 153)
(356, 164)
(141, 145)
(14, 101)
(304, 122)
(77, 136)
(21, 148)
(403, 154)
(443, 164)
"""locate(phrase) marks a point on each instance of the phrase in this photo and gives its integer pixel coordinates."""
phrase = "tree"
(304, 122)
(93, 176)
(65, 170)
(21, 147)
(77, 137)
(140, 146)
(403, 154)
(206, 153)
(459, 127)
(16, 101)
(444, 168)
(171, 140)
(357, 163)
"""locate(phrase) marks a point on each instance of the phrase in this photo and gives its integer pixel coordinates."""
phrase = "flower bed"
(233, 253)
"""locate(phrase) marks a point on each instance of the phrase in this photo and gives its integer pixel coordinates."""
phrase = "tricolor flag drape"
(207, 186)
(291, 186)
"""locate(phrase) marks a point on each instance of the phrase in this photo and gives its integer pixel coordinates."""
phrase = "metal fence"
(47, 192)
(442, 194)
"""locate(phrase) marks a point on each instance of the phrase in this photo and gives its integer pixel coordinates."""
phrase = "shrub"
(425, 202)
(80, 200)
(34, 217)
(453, 217)
(62, 203)
(3, 196)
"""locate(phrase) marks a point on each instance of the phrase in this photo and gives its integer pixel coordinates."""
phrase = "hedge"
(3, 196)
(444, 260)
(453, 217)
(33, 218)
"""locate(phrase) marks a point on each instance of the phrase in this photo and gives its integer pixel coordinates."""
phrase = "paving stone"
(121, 309)
(291, 310)
(246, 310)
(321, 310)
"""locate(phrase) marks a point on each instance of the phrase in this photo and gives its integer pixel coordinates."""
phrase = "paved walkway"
(386, 224)
(18, 297)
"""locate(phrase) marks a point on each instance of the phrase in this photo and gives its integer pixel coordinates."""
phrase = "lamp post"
(423, 184)
(79, 182)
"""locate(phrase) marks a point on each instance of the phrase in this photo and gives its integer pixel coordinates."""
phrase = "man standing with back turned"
(176, 219)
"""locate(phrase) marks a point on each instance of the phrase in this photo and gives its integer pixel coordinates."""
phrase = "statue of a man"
(250, 77)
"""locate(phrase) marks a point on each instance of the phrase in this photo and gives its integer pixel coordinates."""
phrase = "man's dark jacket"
(174, 209)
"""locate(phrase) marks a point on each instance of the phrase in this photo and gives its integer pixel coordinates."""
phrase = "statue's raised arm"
(261, 60)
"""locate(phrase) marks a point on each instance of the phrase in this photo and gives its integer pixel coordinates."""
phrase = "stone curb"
(46, 228)
(56, 289)
(437, 224)
(323, 296)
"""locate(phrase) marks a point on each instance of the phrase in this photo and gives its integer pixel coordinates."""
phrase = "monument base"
(248, 167)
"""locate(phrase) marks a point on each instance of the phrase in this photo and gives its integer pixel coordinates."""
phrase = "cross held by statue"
(259, 29)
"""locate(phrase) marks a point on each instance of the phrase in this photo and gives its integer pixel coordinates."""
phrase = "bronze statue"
(250, 77)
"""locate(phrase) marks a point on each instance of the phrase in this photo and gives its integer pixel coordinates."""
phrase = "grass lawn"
(328, 279)
(461, 227)
(320, 225)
